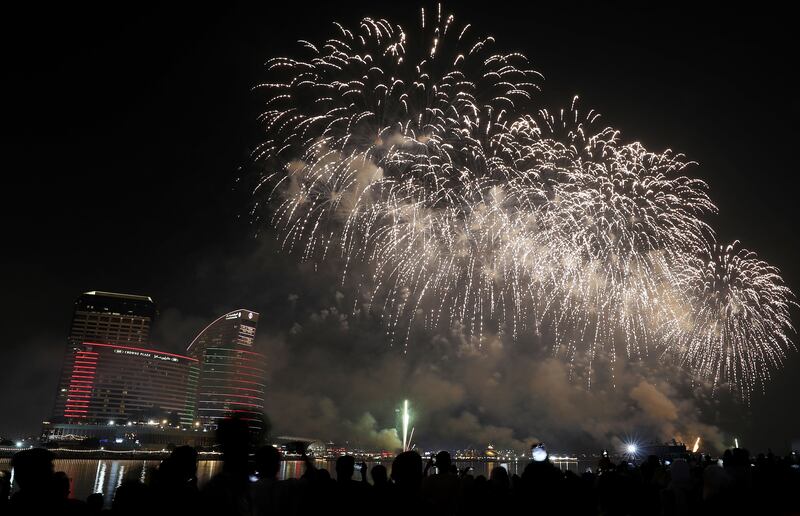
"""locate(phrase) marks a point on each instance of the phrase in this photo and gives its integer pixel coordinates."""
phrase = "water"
(89, 476)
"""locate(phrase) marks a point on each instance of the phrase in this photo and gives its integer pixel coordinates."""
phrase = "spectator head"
(233, 436)
(379, 475)
(94, 502)
(407, 470)
(727, 458)
(443, 462)
(543, 475)
(183, 462)
(131, 497)
(33, 468)
(715, 482)
(268, 461)
(345, 465)
(680, 472)
(499, 477)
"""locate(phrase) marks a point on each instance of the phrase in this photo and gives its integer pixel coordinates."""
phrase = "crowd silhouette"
(248, 485)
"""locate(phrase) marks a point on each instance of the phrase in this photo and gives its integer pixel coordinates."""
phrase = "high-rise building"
(111, 373)
(111, 318)
(232, 372)
(116, 388)
(105, 318)
(126, 384)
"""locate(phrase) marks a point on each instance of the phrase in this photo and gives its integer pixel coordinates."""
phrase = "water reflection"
(104, 476)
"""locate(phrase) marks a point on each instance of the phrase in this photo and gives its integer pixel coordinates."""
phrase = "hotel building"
(232, 372)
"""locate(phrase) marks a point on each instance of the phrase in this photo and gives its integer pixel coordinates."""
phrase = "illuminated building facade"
(115, 383)
(232, 372)
(117, 389)
(112, 374)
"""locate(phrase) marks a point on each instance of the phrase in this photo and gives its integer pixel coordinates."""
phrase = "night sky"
(126, 130)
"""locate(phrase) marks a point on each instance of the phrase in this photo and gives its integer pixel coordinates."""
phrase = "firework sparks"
(735, 330)
(405, 425)
(426, 156)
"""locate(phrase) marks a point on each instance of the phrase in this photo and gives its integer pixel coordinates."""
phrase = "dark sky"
(125, 128)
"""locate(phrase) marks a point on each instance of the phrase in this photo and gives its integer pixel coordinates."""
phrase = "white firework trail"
(426, 156)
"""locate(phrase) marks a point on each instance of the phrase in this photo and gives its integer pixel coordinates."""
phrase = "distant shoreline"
(61, 453)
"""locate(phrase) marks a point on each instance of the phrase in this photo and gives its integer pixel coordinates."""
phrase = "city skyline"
(143, 195)
(112, 377)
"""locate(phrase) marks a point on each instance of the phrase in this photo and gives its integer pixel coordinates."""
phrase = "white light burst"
(735, 330)
(426, 155)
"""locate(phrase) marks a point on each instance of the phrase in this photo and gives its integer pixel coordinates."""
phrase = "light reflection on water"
(89, 476)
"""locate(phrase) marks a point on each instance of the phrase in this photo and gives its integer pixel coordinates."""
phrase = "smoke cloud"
(334, 374)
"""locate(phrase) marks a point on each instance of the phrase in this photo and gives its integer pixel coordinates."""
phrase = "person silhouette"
(131, 498)
(34, 475)
(348, 491)
(228, 492)
(378, 493)
(267, 491)
(174, 483)
(94, 503)
(5, 489)
(406, 475)
(62, 490)
(380, 477)
(440, 491)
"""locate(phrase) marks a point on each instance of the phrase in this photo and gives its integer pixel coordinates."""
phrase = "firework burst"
(427, 156)
(735, 328)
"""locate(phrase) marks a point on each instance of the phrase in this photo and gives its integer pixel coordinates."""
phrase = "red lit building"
(117, 389)
(232, 372)
(112, 377)
(111, 382)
